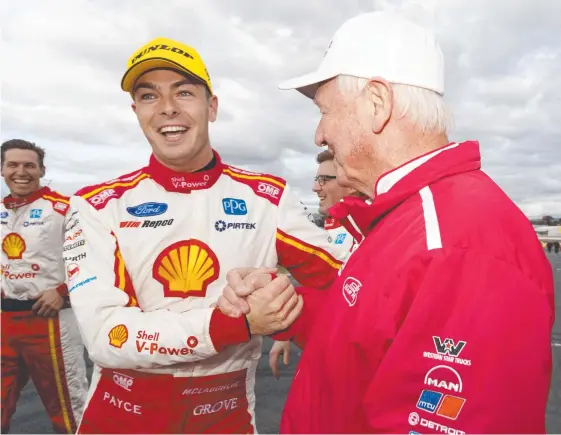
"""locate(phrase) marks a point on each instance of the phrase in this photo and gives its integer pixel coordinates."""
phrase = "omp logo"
(101, 197)
(118, 335)
(123, 381)
(13, 246)
(186, 268)
(157, 47)
(268, 189)
(448, 347)
(61, 206)
(351, 287)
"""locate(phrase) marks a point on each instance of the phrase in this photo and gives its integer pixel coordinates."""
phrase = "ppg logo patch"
(233, 206)
(429, 401)
(340, 239)
(35, 213)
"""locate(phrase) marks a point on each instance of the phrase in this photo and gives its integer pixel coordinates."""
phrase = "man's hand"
(241, 283)
(279, 348)
(48, 303)
(274, 307)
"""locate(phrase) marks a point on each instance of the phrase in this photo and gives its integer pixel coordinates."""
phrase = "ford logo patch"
(148, 209)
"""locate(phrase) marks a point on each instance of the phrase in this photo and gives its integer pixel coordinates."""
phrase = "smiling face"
(22, 171)
(174, 112)
(326, 187)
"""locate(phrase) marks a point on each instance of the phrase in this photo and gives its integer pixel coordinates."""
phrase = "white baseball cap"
(378, 44)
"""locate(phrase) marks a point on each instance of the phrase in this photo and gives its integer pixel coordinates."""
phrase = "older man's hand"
(241, 283)
(274, 307)
(270, 305)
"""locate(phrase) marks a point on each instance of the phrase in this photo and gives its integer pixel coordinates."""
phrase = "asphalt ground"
(271, 393)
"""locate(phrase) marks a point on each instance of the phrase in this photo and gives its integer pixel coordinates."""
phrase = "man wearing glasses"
(329, 193)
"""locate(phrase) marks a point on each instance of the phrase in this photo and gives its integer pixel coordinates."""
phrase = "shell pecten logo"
(186, 268)
(14, 246)
(118, 336)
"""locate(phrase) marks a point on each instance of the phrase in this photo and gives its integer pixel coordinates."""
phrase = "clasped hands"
(270, 305)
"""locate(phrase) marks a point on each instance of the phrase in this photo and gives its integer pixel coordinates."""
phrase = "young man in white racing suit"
(40, 339)
(156, 245)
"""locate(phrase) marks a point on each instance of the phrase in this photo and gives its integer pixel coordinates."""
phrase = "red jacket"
(440, 321)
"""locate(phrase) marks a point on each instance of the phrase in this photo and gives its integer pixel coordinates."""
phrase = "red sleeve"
(313, 302)
(472, 354)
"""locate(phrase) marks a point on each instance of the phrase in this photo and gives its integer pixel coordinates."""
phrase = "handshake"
(270, 305)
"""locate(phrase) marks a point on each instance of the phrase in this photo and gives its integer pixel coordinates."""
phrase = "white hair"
(426, 109)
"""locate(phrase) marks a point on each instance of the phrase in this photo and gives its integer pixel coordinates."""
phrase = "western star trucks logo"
(448, 350)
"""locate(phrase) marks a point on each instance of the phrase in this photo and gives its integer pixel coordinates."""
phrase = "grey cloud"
(63, 86)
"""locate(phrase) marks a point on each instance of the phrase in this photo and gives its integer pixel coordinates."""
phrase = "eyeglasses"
(322, 179)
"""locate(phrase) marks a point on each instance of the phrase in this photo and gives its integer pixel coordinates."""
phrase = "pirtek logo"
(160, 47)
(146, 224)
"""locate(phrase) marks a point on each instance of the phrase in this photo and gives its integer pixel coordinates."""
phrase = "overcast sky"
(62, 62)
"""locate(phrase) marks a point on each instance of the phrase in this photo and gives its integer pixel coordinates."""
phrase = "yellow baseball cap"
(165, 53)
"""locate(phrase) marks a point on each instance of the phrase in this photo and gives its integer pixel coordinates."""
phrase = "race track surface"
(271, 393)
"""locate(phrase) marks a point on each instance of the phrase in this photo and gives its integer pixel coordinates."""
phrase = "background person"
(40, 338)
(329, 193)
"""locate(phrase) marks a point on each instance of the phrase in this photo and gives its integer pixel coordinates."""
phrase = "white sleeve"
(109, 325)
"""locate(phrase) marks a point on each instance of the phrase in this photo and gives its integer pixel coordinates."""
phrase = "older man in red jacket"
(439, 322)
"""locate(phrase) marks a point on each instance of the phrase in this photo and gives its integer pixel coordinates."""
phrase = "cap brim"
(135, 71)
(307, 84)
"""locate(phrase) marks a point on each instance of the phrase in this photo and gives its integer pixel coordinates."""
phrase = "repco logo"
(160, 47)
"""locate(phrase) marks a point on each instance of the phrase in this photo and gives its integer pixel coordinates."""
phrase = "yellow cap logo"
(14, 246)
(118, 336)
(186, 268)
(165, 53)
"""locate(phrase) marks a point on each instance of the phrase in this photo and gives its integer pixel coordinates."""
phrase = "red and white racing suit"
(47, 349)
(147, 256)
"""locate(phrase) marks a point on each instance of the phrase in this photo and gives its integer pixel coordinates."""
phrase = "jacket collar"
(396, 186)
(184, 182)
(10, 202)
